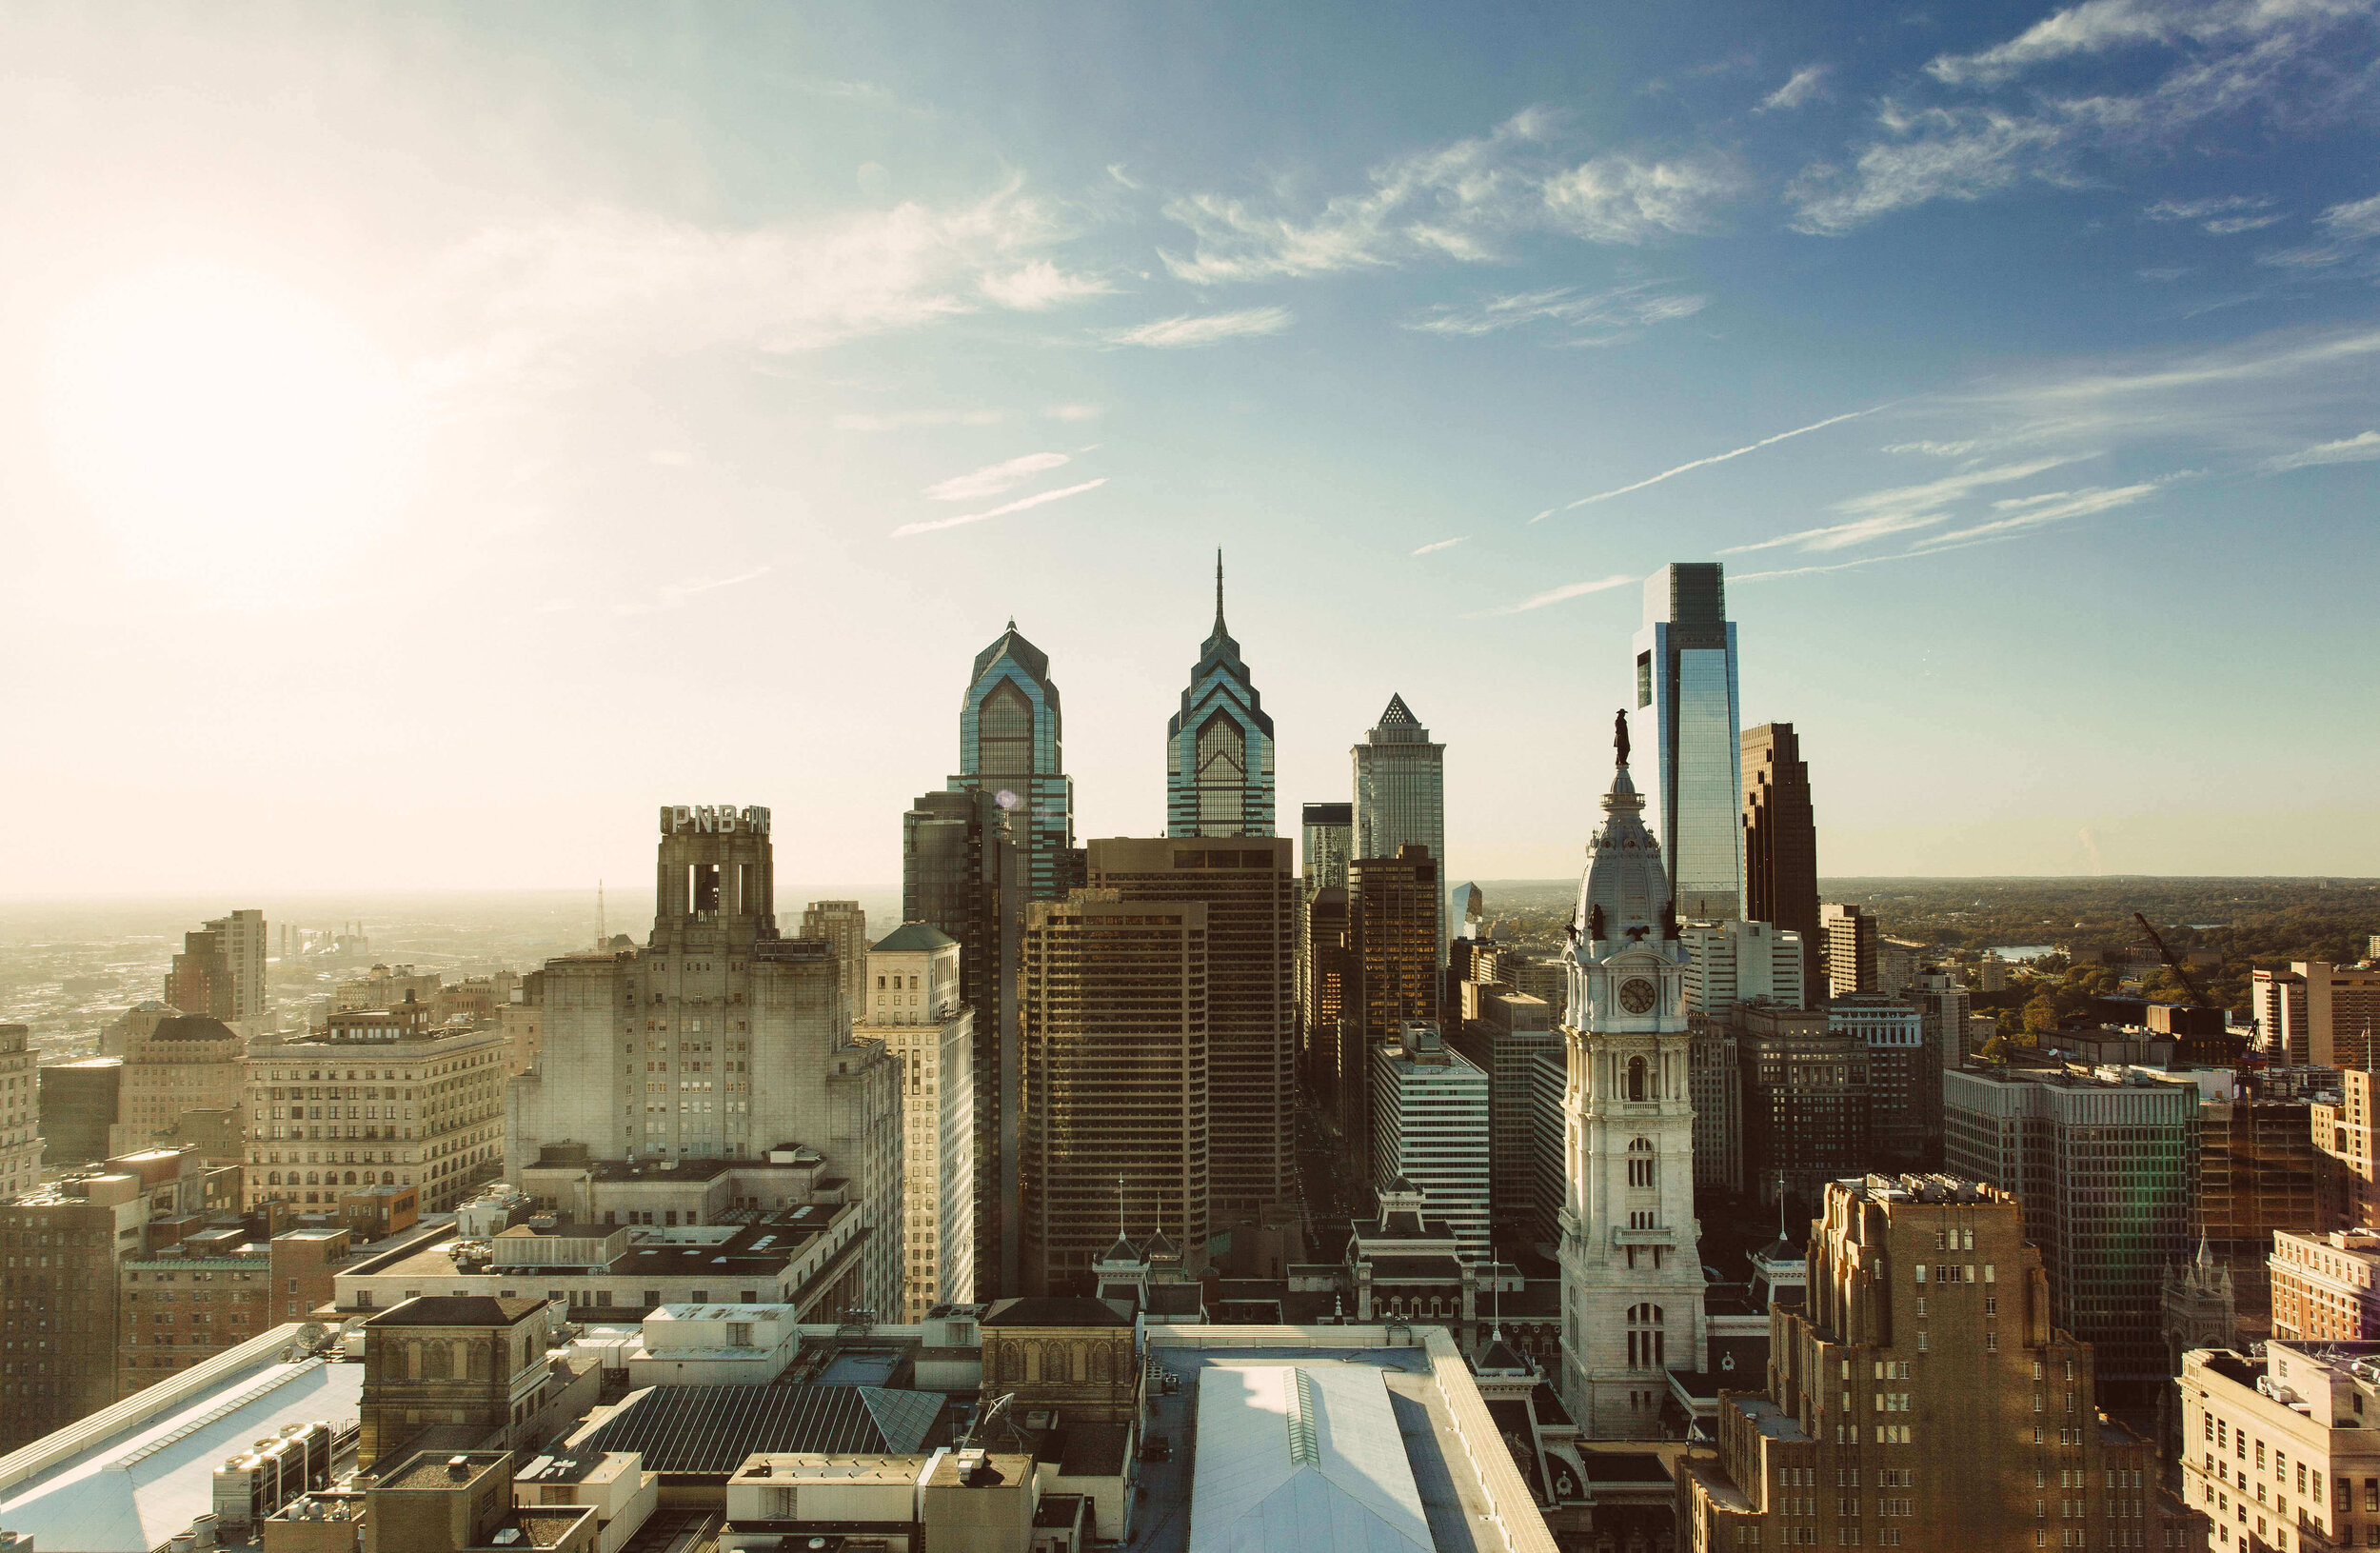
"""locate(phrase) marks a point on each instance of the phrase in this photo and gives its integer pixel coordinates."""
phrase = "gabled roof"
(1312, 1459)
(1010, 644)
(913, 936)
(458, 1310)
(712, 1428)
(1053, 1310)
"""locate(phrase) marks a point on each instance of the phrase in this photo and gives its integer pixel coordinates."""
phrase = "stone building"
(476, 1365)
(1922, 1398)
(1072, 1353)
(186, 1063)
(2278, 1449)
(21, 1115)
(719, 1038)
(910, 1005)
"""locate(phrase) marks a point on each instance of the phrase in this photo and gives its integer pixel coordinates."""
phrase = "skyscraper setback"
(1782, 846)
(1011, 746)
(1686, 680)
(1218, 762)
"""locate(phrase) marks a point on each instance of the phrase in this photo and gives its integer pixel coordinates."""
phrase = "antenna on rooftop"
(603, 929)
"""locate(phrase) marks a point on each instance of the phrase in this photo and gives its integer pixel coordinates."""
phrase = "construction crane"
(2197, 997)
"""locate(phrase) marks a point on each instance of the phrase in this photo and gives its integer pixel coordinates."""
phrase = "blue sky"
(429, 438)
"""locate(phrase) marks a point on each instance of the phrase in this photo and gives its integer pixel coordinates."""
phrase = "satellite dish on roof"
(311, 1336)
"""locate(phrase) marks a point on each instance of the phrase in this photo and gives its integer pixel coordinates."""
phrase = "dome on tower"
(1623, 896)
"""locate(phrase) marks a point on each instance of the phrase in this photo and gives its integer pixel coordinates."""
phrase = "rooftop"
(437, 1468)
(711, 1429)
(458, 1310)
(1053, 1310)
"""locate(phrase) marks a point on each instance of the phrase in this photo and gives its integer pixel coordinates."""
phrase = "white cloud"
(1039, 498)
(1937, 154)
(2037, 511)
(2357, 218)
(1040, 285)
(1191, 329)
(1899, 509)
(2085, 29)
(1938, 449)
(671, 595)
(1568, 591)
(1440, 544)
(909, 418)
(1805, 85)
(2355, 449)
(993, 478)
(1623, 308)
(2201, 210)
(1459, 201)
(1714, 458)
(1073, 413)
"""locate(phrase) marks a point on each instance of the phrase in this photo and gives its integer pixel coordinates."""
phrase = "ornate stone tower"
(1632, 1278)
(2198, 1309)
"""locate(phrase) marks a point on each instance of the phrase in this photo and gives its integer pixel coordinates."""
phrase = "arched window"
(387, 1178)
(273, 1180)
(436, 1361)
(1636, 1078)
(350, 1178)
(1647, 1340)
(1641, 1162)
(313, 1178)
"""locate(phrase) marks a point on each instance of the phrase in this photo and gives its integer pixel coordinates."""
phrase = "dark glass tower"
(1011, 746)
(1781, 848)
(1686, 682)
(1219, 766)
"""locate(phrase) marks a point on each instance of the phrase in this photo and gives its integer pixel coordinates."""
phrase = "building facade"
(1714, 1083)
(177, 1065)
(1250, 892)
(20, 1112)
(2318, 1013)
(1219, 746)
(220, 971)
(1631, 1275)
(1327, 840)
(1741, 960)
(1012, 746)
(2106, 1172)
(1924, 1397)
(377, 1099)
(912, 1008)
(1781, 844)
(2326, 1288)
(2258, 1176)
(1510, 1033)
(1392, 907)
(1806, 1094)
(843, 926)
(719, 1040)
(1904, 1078)
(1400, 792)
(1686, 689)
(1115, 1022)
(1850, 948)
(2278, 1450)
(1430, 1127)
(78, 1105)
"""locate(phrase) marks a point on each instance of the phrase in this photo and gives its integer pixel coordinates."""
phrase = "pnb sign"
(707, 819)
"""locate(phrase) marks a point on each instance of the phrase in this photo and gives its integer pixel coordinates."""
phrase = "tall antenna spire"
(1119, 1207)
(603, 926)
(1218, 592)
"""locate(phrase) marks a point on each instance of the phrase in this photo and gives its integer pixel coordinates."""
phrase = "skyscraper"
(963, 872)
(1430, 1127)
(1631, 1275)
(1782, 846)
(1686, 680)
(911, 1004)
(220, 970)
(1011, 746)
(845, 926)
(1114, 1025)
(1327, 843)
(1392, 907)
(1251, 899)
(1400, 792)
(1850, 949)
(1218, 763)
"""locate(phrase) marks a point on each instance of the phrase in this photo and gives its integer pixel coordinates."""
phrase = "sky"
(432, 438)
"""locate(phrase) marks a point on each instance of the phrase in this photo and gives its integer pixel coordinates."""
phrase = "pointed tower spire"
(1218, 592)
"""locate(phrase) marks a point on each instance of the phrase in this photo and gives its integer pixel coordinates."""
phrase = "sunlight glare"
(229, 431)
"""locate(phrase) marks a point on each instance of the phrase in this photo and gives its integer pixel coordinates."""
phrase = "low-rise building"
(474, 1366)
(714, 1345)
(2325, 1287)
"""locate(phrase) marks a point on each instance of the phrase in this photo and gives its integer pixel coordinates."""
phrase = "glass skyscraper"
(1011, 746)
(1686, 680)
(1218, 767)
(1400, 792)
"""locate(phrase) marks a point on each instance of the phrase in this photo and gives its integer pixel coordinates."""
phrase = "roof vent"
(457, 1467)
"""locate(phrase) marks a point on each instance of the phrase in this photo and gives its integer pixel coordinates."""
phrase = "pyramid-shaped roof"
(1398, 715)
(913, 936)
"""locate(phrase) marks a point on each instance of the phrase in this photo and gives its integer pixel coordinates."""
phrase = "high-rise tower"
(1631, 1275)
(1686, 680)
(1011, 746)
(1400, 792)
(1219, 766)
(1782, 846)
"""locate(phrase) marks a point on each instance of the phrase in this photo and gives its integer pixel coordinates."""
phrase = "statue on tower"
(1619, 735)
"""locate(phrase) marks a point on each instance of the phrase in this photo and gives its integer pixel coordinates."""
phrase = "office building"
(1740, 961)
(1509, 1032)
(173, 1067)
(1898, 962)
(1851, 947)
(1781, 844)
(962, 873)
(1714, 1083)
(913, 1008)
(64, 1246)
(2325, 1287)
(1945, 1016)
(213, 1289)
(2258, 1175)
(384, 987)
(1430, 1128)
(1632, 1278)
(1805, 1097)
(1549, 1128)
(1219, 746)
(220, 971)
(1904, 1076)
(2278, 1450)
(1322, 984)
(2346, 1148)
(1011, 746)
(378, 1097)
(2317, 1013)
(78, 1105)
(1113, 1016)
(843, 926)
(1250, 892)
(1400, 793)
(522, 1020)
(1393, 908)
(2107, 1173)
(719, 1040)
(21, 1115)
(1328, 839)
(1924, 1397)
(1686, 689)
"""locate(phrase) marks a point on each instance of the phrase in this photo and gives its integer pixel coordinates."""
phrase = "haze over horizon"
(429, 440)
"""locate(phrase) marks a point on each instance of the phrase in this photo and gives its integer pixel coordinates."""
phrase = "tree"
(2041, 1015)
(1995, 1049)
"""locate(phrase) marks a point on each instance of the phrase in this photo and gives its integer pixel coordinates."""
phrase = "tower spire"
(1218, 592)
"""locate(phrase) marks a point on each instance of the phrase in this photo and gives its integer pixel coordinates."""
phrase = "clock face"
(1636, 994)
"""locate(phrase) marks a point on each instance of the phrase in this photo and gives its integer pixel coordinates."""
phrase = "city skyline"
(2016, 364)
